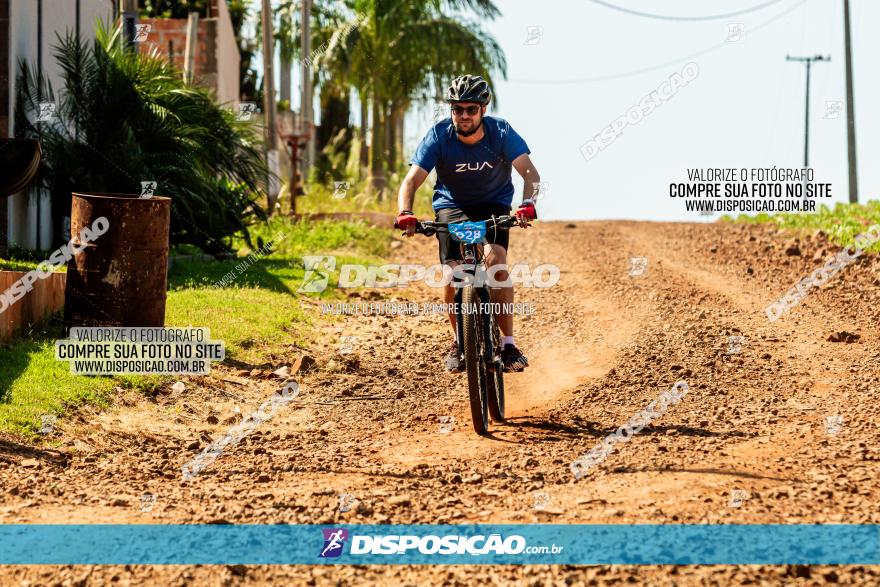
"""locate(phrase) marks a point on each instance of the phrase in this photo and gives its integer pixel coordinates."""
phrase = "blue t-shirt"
(469, 175)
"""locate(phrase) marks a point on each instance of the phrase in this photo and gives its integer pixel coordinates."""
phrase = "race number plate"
(468, 232)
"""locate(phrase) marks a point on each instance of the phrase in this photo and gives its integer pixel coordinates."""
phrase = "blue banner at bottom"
(581, 544)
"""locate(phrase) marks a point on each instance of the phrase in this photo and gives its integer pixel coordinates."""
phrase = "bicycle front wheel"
(496, 377)
(474, 359)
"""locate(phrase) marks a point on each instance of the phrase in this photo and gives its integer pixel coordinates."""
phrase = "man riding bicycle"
(473, 155)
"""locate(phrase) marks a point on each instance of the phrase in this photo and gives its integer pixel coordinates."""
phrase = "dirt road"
(778, 427)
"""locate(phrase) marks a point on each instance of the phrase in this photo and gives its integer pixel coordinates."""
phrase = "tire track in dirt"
(573, 337)
(777, 435)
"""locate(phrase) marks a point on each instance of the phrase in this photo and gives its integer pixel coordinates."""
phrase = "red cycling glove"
(526, 211)
(405, 219)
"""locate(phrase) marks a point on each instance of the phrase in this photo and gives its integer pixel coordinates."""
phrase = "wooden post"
(192, 42)
(269, 106)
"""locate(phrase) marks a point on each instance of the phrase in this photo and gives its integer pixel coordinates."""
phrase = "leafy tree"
(123, 118)
(172, 8)
(397, 51)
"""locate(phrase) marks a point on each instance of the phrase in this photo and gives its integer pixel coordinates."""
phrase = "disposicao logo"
(334, 538)
(397, 544)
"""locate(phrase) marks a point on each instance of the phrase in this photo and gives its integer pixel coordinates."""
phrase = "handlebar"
(429, 227)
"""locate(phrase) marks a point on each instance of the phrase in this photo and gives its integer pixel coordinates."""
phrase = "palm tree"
(124, 118)
(438, 48)
(397, 51)
(288, 48)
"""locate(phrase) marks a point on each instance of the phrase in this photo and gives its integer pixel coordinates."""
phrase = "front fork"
(485, 301)
(459, 321)
(488, 334)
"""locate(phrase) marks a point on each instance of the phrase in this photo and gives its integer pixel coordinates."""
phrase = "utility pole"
(129, 11)
(850, 110)
(269, 105)
(808, 61)
(306, 114)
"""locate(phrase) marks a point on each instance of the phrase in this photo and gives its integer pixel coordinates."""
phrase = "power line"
(612, 76)
(808, 61)
(684, 18)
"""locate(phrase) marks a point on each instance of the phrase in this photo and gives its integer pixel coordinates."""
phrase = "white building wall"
(22, 45)
(228, 58)
(58, 17)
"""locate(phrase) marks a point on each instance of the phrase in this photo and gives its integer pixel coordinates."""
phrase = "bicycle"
(479, 337)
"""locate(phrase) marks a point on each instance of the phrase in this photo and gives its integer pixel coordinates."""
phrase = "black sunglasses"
(471, 110)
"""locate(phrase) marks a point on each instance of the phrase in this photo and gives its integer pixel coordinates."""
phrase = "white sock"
(506, 340)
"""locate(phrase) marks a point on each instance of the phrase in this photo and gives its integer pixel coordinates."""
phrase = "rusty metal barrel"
(118, 271)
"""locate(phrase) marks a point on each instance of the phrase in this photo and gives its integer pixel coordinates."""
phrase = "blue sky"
(745, 109)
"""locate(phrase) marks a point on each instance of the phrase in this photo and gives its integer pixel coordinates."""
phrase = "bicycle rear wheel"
(474, 359)
(496, 376)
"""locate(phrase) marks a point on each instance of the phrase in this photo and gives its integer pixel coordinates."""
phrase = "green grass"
(24, 265)
(252, 314)
(320, 198)
(842, 223)
(26, 260)
(33, 383)
(309, 238)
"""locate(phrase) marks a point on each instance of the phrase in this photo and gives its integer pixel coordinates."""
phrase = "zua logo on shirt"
(459, 167)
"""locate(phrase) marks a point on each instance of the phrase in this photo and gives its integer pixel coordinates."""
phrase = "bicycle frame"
(476, 253)
(472, 254)
(477, 345)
